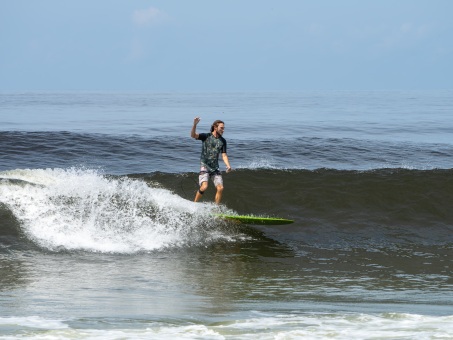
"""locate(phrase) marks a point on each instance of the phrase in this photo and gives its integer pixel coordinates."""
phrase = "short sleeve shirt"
(210, 150)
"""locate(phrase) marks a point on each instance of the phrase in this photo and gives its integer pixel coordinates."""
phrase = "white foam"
(346, 326)
(157, 333)
(33, 322)
(340, 326)
(85, 210)
(260, 163)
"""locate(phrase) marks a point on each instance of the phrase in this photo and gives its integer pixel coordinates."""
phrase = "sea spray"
(80, 209)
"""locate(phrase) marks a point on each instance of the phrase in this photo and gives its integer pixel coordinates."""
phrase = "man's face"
(220, 128)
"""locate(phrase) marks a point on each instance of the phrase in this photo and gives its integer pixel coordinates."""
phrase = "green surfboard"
(257, 220)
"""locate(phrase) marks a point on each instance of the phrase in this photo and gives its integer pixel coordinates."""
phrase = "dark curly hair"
(215, 124)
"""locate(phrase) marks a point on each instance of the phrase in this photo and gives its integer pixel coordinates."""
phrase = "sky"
(225, 45)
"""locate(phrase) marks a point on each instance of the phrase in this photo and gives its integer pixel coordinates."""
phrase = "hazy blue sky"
(225, 45)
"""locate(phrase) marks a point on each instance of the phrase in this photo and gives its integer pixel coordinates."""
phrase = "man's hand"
(193, 132)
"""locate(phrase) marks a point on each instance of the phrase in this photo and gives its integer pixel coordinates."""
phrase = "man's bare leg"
(203, 188)
(218, 195)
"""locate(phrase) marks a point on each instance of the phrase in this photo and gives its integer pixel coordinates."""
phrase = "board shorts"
(215, 176)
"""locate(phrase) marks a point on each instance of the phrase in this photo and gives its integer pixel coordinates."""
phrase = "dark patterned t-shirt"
(210, 150)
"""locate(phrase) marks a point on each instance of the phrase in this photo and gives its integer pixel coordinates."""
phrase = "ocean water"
(100, 239)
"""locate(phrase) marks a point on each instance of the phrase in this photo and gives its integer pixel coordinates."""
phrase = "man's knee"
(219, 188)
(203, 186)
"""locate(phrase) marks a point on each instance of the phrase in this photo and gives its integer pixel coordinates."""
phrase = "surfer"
(213, 145)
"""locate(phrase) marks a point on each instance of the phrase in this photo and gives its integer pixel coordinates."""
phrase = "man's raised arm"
(193, 132)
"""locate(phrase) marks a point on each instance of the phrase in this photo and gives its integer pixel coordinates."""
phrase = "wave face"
(417, 198)
(79, 209)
